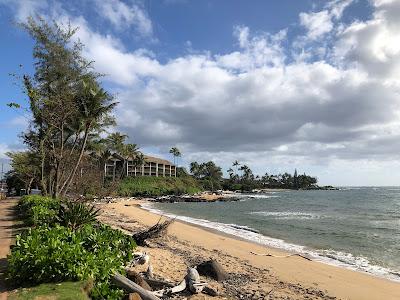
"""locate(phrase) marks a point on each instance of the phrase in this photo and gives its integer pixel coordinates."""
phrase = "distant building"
(153, 166)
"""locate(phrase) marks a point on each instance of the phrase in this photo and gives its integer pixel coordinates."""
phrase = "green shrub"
(76, 214)
(38, 210)
(158, 186)
(58, 254)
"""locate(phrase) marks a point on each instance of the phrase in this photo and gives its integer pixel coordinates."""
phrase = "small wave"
(286, 215)
(331, 257)
(259, 196)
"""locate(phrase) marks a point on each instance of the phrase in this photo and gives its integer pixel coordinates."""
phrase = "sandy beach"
(254, 277)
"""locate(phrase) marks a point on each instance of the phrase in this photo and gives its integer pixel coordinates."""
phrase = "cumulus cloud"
(25, 8)
(319, 23)
(123, 15)
(261, 102)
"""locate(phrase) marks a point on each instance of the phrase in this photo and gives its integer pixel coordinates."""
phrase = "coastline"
(336, 281)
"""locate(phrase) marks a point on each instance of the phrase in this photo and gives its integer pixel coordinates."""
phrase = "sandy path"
(7, 220)
(339, 282)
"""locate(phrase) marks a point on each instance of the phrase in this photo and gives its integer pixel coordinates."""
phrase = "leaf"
(13, 105)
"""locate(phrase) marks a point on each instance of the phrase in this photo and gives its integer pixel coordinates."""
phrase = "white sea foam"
(255, 196)
(329, 256)
(287, 215)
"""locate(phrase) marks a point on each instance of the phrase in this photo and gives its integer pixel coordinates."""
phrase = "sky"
(277, 85)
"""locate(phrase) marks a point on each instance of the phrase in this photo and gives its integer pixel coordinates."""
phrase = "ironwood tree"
(66, 102)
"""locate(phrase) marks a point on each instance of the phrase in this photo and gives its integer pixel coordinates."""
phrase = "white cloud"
(317, 23)
(3, 150)
(322, 22)
(123, 15)
(25, 8)
(265, 101)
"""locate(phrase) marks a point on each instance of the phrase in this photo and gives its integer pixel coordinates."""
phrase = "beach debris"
(210, 291)
(193, 281)
(154, 231)
(158, 284)
(213, 269)
(149, 271)
(136, 278)
(140, 258)
(134, 296)
(171, 290)
(132, 287)
(281, 256)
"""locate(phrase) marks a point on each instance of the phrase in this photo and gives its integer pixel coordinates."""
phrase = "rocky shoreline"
(190, 198)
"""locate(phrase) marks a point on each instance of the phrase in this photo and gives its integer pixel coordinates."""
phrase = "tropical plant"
(66, 104)
(76, 214)
(209, 173)
(175, 153)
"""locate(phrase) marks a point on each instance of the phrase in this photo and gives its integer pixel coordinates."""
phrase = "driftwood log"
(134, 296)
(158, 284)
(132, 287)
(213, 269)
(136, 278)
(154, 231)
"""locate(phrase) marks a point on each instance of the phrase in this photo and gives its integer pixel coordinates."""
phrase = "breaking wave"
(328, 256)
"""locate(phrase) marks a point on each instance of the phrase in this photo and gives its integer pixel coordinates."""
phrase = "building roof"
(153, 159)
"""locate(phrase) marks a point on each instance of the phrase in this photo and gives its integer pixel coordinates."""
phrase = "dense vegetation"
(80, 250)
(158, 186)
(67, 106)
(242, 178)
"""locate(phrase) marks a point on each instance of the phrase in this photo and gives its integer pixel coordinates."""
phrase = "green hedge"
(38, 210)
(59, 254)
(158, 186)
(87, 250)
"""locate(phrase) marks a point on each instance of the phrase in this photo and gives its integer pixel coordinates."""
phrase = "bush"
(158, 186)
(58, 254)
(38, 210)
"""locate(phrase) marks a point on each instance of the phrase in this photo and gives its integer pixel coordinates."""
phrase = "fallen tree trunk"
(132, 287)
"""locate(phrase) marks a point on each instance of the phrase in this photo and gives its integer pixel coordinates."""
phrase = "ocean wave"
(328, 256)
(287, 215)
(244, 197)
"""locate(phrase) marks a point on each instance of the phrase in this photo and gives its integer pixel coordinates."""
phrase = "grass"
(52, 291)
(158, 186)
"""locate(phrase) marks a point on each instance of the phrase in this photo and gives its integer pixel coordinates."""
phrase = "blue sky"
(278, 85)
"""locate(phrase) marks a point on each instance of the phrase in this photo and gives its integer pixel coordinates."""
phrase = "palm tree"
(94, 105)
(175, 153)
(128, 151)
(236, 165)
(231, 173)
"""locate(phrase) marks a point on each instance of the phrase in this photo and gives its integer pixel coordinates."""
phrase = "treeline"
(241, 177)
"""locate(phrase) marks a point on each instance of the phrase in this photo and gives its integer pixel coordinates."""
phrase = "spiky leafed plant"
(77, 214)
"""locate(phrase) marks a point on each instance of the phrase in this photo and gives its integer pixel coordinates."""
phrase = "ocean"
(356, 228)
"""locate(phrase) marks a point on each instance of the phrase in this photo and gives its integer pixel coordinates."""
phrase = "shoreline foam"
(330, 257)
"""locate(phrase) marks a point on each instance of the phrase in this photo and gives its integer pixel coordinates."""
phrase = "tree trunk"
(28, 188)
(67, 183)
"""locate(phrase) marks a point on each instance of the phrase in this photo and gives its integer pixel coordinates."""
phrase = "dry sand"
(253, 277)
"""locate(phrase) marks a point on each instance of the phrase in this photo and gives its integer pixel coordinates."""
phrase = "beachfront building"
(116, 166)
